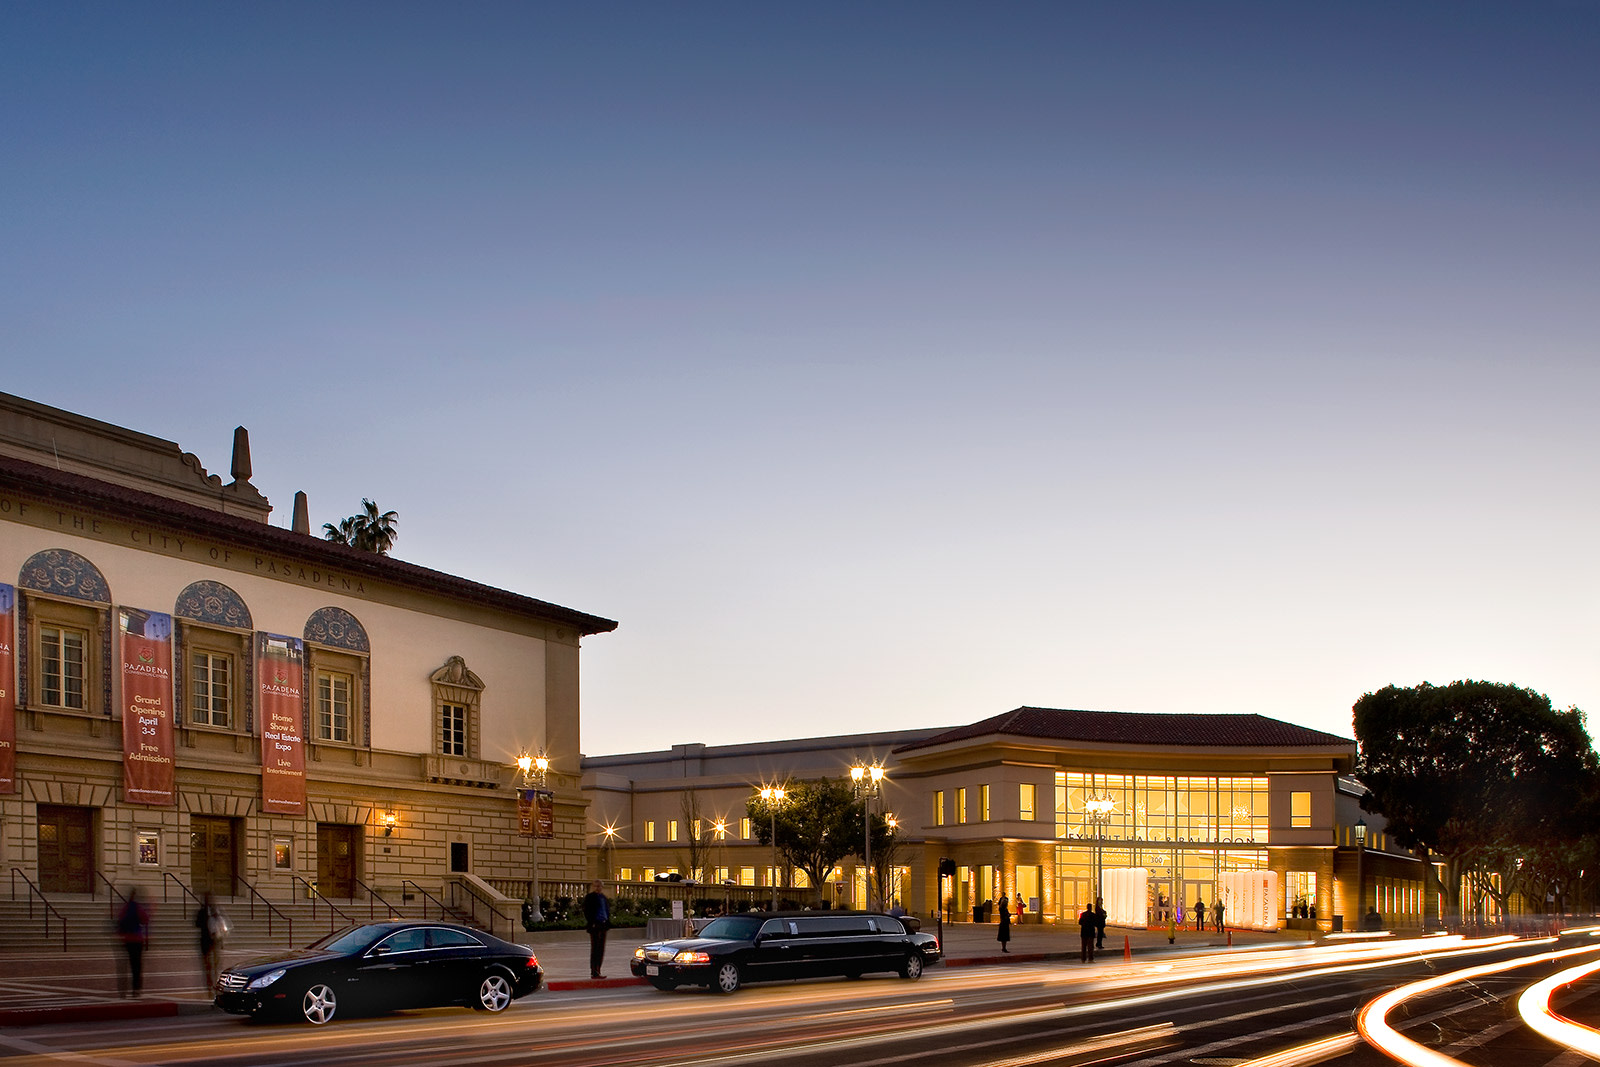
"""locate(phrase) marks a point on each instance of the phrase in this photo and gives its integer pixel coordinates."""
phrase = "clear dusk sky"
(875, 365)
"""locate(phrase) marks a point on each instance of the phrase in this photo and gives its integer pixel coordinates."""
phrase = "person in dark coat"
(1200, 913)
(1099, 923)
(133, 928)
(1088, 923)
(1005, 924)
(596, 920)
(1217, 911)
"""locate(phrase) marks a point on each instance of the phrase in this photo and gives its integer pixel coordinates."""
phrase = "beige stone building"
(1046, 804)
(412, 692)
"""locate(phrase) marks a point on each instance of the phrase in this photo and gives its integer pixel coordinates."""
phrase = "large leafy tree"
(370, 530)
(818, 824)
(1488, 778)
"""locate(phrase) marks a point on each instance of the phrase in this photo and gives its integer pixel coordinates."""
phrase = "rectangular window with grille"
(333, 707)
(1029, 801)
(211, 689)
(63, 664)
(453, 727)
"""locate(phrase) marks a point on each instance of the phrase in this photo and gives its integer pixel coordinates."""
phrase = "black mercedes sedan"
(380, 967)
(769, 946)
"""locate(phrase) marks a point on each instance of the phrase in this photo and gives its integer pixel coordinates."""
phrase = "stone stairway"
(89, 923)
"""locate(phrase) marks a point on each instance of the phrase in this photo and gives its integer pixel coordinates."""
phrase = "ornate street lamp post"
(1098, 810)
(610, 833)
(773, 796)
(724, 876)
(868, 782)
(534, 769)
(893, 887)
(1361, 873)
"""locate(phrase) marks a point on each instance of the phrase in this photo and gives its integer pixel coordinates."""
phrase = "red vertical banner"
(525, 812)
(536, 813)
(147, 741)
(280, 678)
(544, 820)
(8, 689)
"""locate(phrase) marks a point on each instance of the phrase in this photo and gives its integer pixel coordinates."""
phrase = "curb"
(570, 984)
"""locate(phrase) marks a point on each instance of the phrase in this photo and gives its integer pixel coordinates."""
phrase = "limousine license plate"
(651, 969)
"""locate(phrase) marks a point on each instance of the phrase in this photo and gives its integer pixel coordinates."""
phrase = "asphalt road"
(1220, 1010)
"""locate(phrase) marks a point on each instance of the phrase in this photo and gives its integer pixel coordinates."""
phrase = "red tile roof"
(136, 505)
(1132, 728)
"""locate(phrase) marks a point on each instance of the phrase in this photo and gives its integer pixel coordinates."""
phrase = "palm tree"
(377, 532)
(369, 531)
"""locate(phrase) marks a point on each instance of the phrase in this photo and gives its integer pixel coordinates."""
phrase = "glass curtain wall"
(1186, 830)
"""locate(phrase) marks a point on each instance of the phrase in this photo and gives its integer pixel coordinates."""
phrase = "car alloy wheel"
(494, 993)
(912, 967)
(728, 978)
(319, 1004)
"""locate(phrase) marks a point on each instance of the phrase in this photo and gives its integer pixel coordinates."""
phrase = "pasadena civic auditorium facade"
(190, 694)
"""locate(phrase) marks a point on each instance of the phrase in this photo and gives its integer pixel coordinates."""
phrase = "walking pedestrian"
(1087, 924)
(1005, 924)
(1217, 911)
(1099, 923)
(133, 927)
(596, 920)
(212, 927)
(1200, 913)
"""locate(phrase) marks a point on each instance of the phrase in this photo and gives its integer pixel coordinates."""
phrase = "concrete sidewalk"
(84, 986)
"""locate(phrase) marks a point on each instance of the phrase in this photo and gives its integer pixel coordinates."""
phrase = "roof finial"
(241, 454)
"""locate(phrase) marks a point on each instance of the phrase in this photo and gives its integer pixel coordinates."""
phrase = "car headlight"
(268, 978)
(638, 953)
(687, 957)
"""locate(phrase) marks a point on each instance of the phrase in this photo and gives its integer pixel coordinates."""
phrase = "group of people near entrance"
(132, 928)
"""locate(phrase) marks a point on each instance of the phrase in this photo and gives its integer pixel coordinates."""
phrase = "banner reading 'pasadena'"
(280, 675)
(8, 696)
(147, 745)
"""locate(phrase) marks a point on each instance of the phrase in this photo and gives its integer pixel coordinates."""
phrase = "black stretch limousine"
(771, 946)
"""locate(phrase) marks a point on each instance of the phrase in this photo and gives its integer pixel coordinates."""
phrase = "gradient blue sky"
(875, 365)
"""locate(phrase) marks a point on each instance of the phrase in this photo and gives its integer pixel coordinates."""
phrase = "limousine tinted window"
(732, 927)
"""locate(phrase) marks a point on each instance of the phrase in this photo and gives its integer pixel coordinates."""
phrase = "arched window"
(338, 664)
(65, 612)
(213, 645)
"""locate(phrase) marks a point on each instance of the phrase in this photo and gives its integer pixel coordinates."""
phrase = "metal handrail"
(255, 895)
(333, 910)
(49, 908)
(374, 895)
(116, 894)
(477, 898)
(443, 909)
(168, 876)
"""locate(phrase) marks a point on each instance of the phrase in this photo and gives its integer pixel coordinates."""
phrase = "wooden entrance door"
(66, 849)
(336, 860)
(211, 855)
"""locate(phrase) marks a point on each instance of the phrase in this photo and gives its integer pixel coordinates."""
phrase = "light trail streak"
(1534, 1007)
(1304, 1055)
(1373, 1025)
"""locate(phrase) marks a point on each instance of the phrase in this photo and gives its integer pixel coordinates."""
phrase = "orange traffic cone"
(1127, 948)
